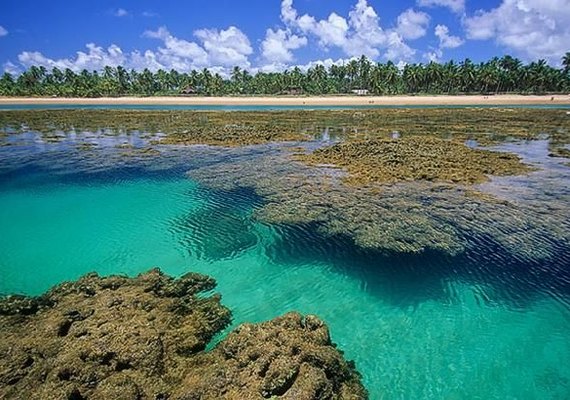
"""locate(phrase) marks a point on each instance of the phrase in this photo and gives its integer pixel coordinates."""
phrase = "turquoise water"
(426, 326)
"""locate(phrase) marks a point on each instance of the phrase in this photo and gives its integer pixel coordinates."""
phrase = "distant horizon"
(263, 36)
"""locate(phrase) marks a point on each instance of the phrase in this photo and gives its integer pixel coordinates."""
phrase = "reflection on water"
(477, 324)
(548, 183)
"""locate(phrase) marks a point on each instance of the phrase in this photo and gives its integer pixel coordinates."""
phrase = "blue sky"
(272, 35)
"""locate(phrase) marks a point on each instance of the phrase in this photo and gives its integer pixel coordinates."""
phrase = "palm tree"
(364, 68)
(566, 62)
(352, 71)
(7, 85)
(506, 74)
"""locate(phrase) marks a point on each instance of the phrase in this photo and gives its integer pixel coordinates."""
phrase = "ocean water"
(427, 326)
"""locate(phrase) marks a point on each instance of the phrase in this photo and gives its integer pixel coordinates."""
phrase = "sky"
(272, 35)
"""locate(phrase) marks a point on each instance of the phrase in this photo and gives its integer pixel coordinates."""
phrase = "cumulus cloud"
(228, 47)
(177, 53)
(3, 31)
(223, 48)
(359, 34)
(277, 45)
(447, 41)
(412, 24)
(11, 68)
(434, 55)
(288, 13)
(280, 67)
(532, 28)
(120, 12)
(457, 6)
(218, 51)
(94, 58)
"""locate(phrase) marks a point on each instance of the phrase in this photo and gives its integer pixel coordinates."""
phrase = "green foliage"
(499, 75)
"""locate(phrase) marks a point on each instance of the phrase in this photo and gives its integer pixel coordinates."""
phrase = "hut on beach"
(189, 91)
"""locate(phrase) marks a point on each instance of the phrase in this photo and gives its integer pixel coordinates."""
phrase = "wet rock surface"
(290, 357)
(415, 159)
(487, 125)
(144, 338)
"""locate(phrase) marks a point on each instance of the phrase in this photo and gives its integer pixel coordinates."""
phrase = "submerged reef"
(144, 338)
(409, 217)
(414, 159)
(392, 180)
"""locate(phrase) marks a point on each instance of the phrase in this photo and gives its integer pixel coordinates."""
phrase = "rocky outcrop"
(144, 338)
(290, 357)
(416, 158)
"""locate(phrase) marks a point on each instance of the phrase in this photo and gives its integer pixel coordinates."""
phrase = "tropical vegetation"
(498, 75)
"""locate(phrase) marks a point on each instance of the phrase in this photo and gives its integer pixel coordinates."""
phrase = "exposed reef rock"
(144, 338)
(290, 357)
(415, 159)
(256, 127)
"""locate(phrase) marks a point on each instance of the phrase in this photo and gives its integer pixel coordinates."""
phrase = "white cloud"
(224, 48)
(412, 24)
(532, 28)
(120, 12)
(218, 51)
(327, 63)
(434, 56)
(359, 34)
(228, 47)
(288, 13)
(397, 49)
(457, 6)
(3, 31)
(447, 41)
(178, 52)
(280, 67)
(11, 68)
(149, 14)
(94, 59)
(277, 45)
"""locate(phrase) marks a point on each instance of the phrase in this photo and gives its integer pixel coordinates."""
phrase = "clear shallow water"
(425, 326)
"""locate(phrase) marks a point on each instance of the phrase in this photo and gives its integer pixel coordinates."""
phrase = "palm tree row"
(499, 75)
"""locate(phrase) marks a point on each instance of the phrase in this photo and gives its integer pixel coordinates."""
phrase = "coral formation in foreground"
(144, 338)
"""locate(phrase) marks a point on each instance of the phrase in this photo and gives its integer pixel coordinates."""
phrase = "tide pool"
(423, 326)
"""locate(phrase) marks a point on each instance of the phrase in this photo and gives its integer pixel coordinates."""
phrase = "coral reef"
(415, 159)
(245, 128)
(290, 357)
(144, 338)
(408, 217)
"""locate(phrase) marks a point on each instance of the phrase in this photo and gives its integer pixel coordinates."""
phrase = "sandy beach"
(300, 101)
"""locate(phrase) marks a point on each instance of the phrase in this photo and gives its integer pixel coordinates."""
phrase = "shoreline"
(461, 100)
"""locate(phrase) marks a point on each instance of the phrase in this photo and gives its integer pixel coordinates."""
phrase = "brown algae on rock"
(290, 357)
(415, 159)
(487, 125)
(143, 338)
